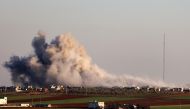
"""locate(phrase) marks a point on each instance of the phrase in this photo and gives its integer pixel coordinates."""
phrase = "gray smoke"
(65, 61)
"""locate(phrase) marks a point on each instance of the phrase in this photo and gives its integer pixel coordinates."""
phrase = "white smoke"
(65, 61)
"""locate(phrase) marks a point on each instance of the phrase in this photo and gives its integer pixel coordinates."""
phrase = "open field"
(60, 100)
(86, 100)
(171, 107)
(18, 97)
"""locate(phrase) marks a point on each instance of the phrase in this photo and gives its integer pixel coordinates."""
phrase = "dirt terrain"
(62, 97)
(146, 101)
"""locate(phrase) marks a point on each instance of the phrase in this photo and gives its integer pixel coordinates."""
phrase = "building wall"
(3, 101)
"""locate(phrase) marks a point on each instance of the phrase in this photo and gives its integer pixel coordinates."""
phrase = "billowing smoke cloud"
(65, 61)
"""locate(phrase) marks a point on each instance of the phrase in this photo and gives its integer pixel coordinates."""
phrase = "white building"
(18, 89)
(3, 101)
(25, 105)
(59, 87)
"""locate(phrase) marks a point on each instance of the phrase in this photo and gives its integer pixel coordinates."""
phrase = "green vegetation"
(181, 97)
(26, 97)
(171, 107)
(21, 97)
(86, 100)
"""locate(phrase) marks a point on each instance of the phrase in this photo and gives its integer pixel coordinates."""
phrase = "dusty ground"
(146, 101)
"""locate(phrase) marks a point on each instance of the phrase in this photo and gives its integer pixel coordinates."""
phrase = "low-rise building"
(25, 105)
(3, 101)
(18, 89)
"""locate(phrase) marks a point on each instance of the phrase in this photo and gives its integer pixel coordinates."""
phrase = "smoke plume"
(65, 61)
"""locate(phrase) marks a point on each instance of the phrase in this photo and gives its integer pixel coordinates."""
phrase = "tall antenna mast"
(164, 46)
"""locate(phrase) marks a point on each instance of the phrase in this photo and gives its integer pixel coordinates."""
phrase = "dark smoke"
(23, 71)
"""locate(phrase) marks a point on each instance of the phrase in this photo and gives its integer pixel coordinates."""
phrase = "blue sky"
(121, 36)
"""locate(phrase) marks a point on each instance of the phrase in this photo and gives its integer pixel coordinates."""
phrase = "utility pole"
(66, 90)
(86, 90)
(164, 53)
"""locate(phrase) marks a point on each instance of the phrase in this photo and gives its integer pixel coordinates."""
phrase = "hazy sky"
(121, 36)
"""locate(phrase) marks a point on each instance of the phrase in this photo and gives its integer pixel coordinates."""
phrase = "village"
(92, 90)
